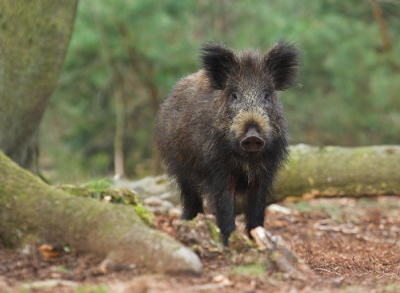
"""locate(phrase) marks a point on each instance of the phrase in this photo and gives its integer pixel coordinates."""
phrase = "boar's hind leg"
(256, 204)
(191, 201)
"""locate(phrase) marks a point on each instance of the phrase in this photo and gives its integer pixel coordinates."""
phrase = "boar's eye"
(234, 96)
(266, 96)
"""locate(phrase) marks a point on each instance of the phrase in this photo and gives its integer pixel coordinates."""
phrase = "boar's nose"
(252, 143)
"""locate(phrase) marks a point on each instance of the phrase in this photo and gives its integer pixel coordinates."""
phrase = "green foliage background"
(350, 93)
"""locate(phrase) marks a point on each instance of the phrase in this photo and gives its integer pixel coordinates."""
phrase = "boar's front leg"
(257, 193)
(191, 200)
(222, 198)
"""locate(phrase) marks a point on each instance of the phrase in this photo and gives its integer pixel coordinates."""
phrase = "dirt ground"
(352, 245)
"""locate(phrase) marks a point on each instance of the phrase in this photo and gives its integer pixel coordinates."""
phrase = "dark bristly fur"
(208, 116)
(217, 61)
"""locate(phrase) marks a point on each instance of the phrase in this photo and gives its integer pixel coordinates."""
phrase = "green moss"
(293, 161)
(6, 242)
(98, 186)
(238, 243)
(92, 289)
(35, 38)
(2, 188)
(85, 224)
(367, 202)
(74, 190)
(302, 206)
(128, 196)
(100, 189)
(198, 249)
(144, 214)
(215, 234)
(63, 270)
(250, 270)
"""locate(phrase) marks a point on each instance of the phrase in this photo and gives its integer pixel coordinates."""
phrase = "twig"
(206, 287)
(285, 259)
(366, 238)
(328, 271)
(356, 263)
(284, 229)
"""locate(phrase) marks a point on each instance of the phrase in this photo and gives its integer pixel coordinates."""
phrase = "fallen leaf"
(49, 252)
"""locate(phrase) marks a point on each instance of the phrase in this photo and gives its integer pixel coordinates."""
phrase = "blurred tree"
(34, 39)
(387, 46)
(117, 84)
(350, 84)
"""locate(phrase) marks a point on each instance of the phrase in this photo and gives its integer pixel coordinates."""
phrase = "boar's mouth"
(252, 142)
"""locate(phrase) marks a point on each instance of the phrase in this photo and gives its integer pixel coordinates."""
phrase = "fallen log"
(339, 171)
(316, 172)
(30, 210)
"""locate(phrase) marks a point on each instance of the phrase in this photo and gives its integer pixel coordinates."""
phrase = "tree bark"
(34, 40)
(144, 70)
(387, 45)
(155, 104)
(119, 133)
(30, 209)
(339, 171)
(118, 92)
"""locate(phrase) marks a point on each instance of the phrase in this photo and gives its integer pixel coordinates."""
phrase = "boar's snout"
(252, 143)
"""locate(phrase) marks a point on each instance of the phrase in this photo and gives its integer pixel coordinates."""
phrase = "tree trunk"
(144, 70)
(118, 92)
(30, 209)
(339, 171)
(156, 156)
(387, 46)
(119, 133)
(34, 40)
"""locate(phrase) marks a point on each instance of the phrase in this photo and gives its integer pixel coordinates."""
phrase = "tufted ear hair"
(282, 62)
(218, 60)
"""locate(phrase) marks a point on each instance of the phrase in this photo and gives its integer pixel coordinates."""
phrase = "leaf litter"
(350, 245)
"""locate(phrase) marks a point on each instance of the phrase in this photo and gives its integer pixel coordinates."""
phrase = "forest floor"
(352, 245)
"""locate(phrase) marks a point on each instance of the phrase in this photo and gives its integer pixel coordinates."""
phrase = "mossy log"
(339, 171)
(30, 210)
(34, 37)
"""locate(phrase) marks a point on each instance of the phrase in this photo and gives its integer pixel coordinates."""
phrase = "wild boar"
(222, 133)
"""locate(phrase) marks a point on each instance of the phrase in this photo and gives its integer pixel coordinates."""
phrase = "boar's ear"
(218, 61)
(282, 62)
